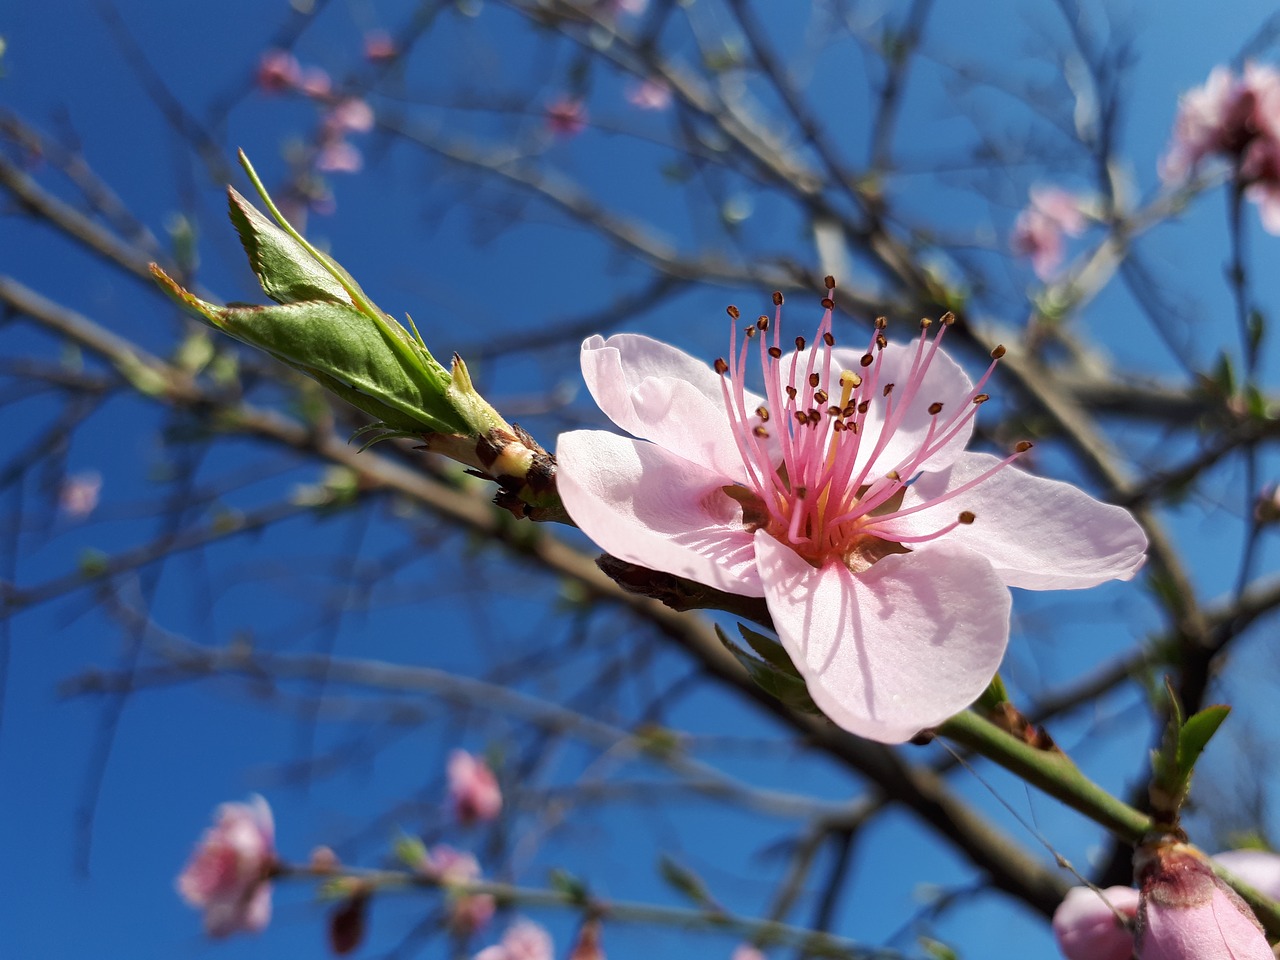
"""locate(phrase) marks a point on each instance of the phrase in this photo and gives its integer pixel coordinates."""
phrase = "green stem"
(1052, 772)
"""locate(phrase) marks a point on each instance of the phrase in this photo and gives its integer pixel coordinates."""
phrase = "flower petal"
(1087, 928)
(1258, 868)
(1037, 533)
(659, 393)
(896, 648)
(645, 505)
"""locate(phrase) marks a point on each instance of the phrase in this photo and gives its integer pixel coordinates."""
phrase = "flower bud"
(1089, 924)
(1186, 913)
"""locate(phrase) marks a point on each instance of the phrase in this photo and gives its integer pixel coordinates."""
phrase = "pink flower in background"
(1039, 230)
(843, 496)
(566, 116)
(523, 940)
(351, 115)
(1087, 924)
(315, 83)
(278, 71)
(228, 876)
(649, 95)
(1087, 927)
(747, 951)
(631, 8)
(1187, 913)
(468, 912)
(339, 156)
(1226, 117)
(379, 47)
(79, 493)
(473, 789)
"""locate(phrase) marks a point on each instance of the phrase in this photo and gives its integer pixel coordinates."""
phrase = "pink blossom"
(229, 874)
(278, 71)
(315, 83)
(473, 789)
(78, 494)
(1187, 913)
(523, 940)
(616, 8)
(379, 47)
(1226, 117)
(746, 951)
(1258, 868)
(1039, 229)
(468, 912)
(350, 115)
(566, 116)
(845, 498)
(651, 94)
(339, 156)
(1087, 924)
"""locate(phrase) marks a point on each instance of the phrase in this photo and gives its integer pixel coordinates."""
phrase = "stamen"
(732, 311)
(763, 414)
(935, 409)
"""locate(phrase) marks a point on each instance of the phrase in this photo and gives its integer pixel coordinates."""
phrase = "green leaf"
(411, 851)
(1196, 733)
(788, 688)
(570, 886)
(770, 650)
(687, 883)
(285, 268)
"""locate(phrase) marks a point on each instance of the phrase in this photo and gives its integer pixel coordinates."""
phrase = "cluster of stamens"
(807, 454)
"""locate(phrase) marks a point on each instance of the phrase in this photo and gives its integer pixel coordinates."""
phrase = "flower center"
(817, 449)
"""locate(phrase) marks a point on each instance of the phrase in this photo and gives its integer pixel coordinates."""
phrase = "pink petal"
(643, 504)
(1220, 928)
(897, 648)
(659, 393)
(1036, 533)
(1086, 926)
(1258, 868)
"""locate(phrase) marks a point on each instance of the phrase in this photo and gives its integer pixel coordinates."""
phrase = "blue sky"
(421, 240)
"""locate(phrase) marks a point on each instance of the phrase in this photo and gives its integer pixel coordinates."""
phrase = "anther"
(820, 396)
(850, 410)
(762, 323)
(925, 323)
(828, 339)
(763, 414)
(888, 389)
(777, 298)
(881, 342)
(791, 392)
(862, 407)
(894, 475)
(760, 432)
(814, 380)
(750, 331)
(833, 410)
(801, 492)
(721, 367)
(799, 343)
(982, 398)
(966, 517)
(866, 360)
(998, 352)
(828, 303)
(775, 352)
(838, 426)
(815, 417)
(830, 282)
(935, 409)
(948, 318)
(1022, 446)
(732, 311)
(881, 322)
(801, 417)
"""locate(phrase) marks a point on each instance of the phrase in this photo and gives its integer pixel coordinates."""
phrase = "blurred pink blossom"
(523, 940)
(378, 46)
(1039, 229)
(278, 71)
(1087, 927)
(339, 156)
(631, 8)
(844, 497)
(473, 789)
(315, 83)
(468, 912)
(1226, 117)
(566, 116)
(1186, 913)
(351, 115)
(228, 875)
(78, 494)
(650, 94)
(746, 951)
